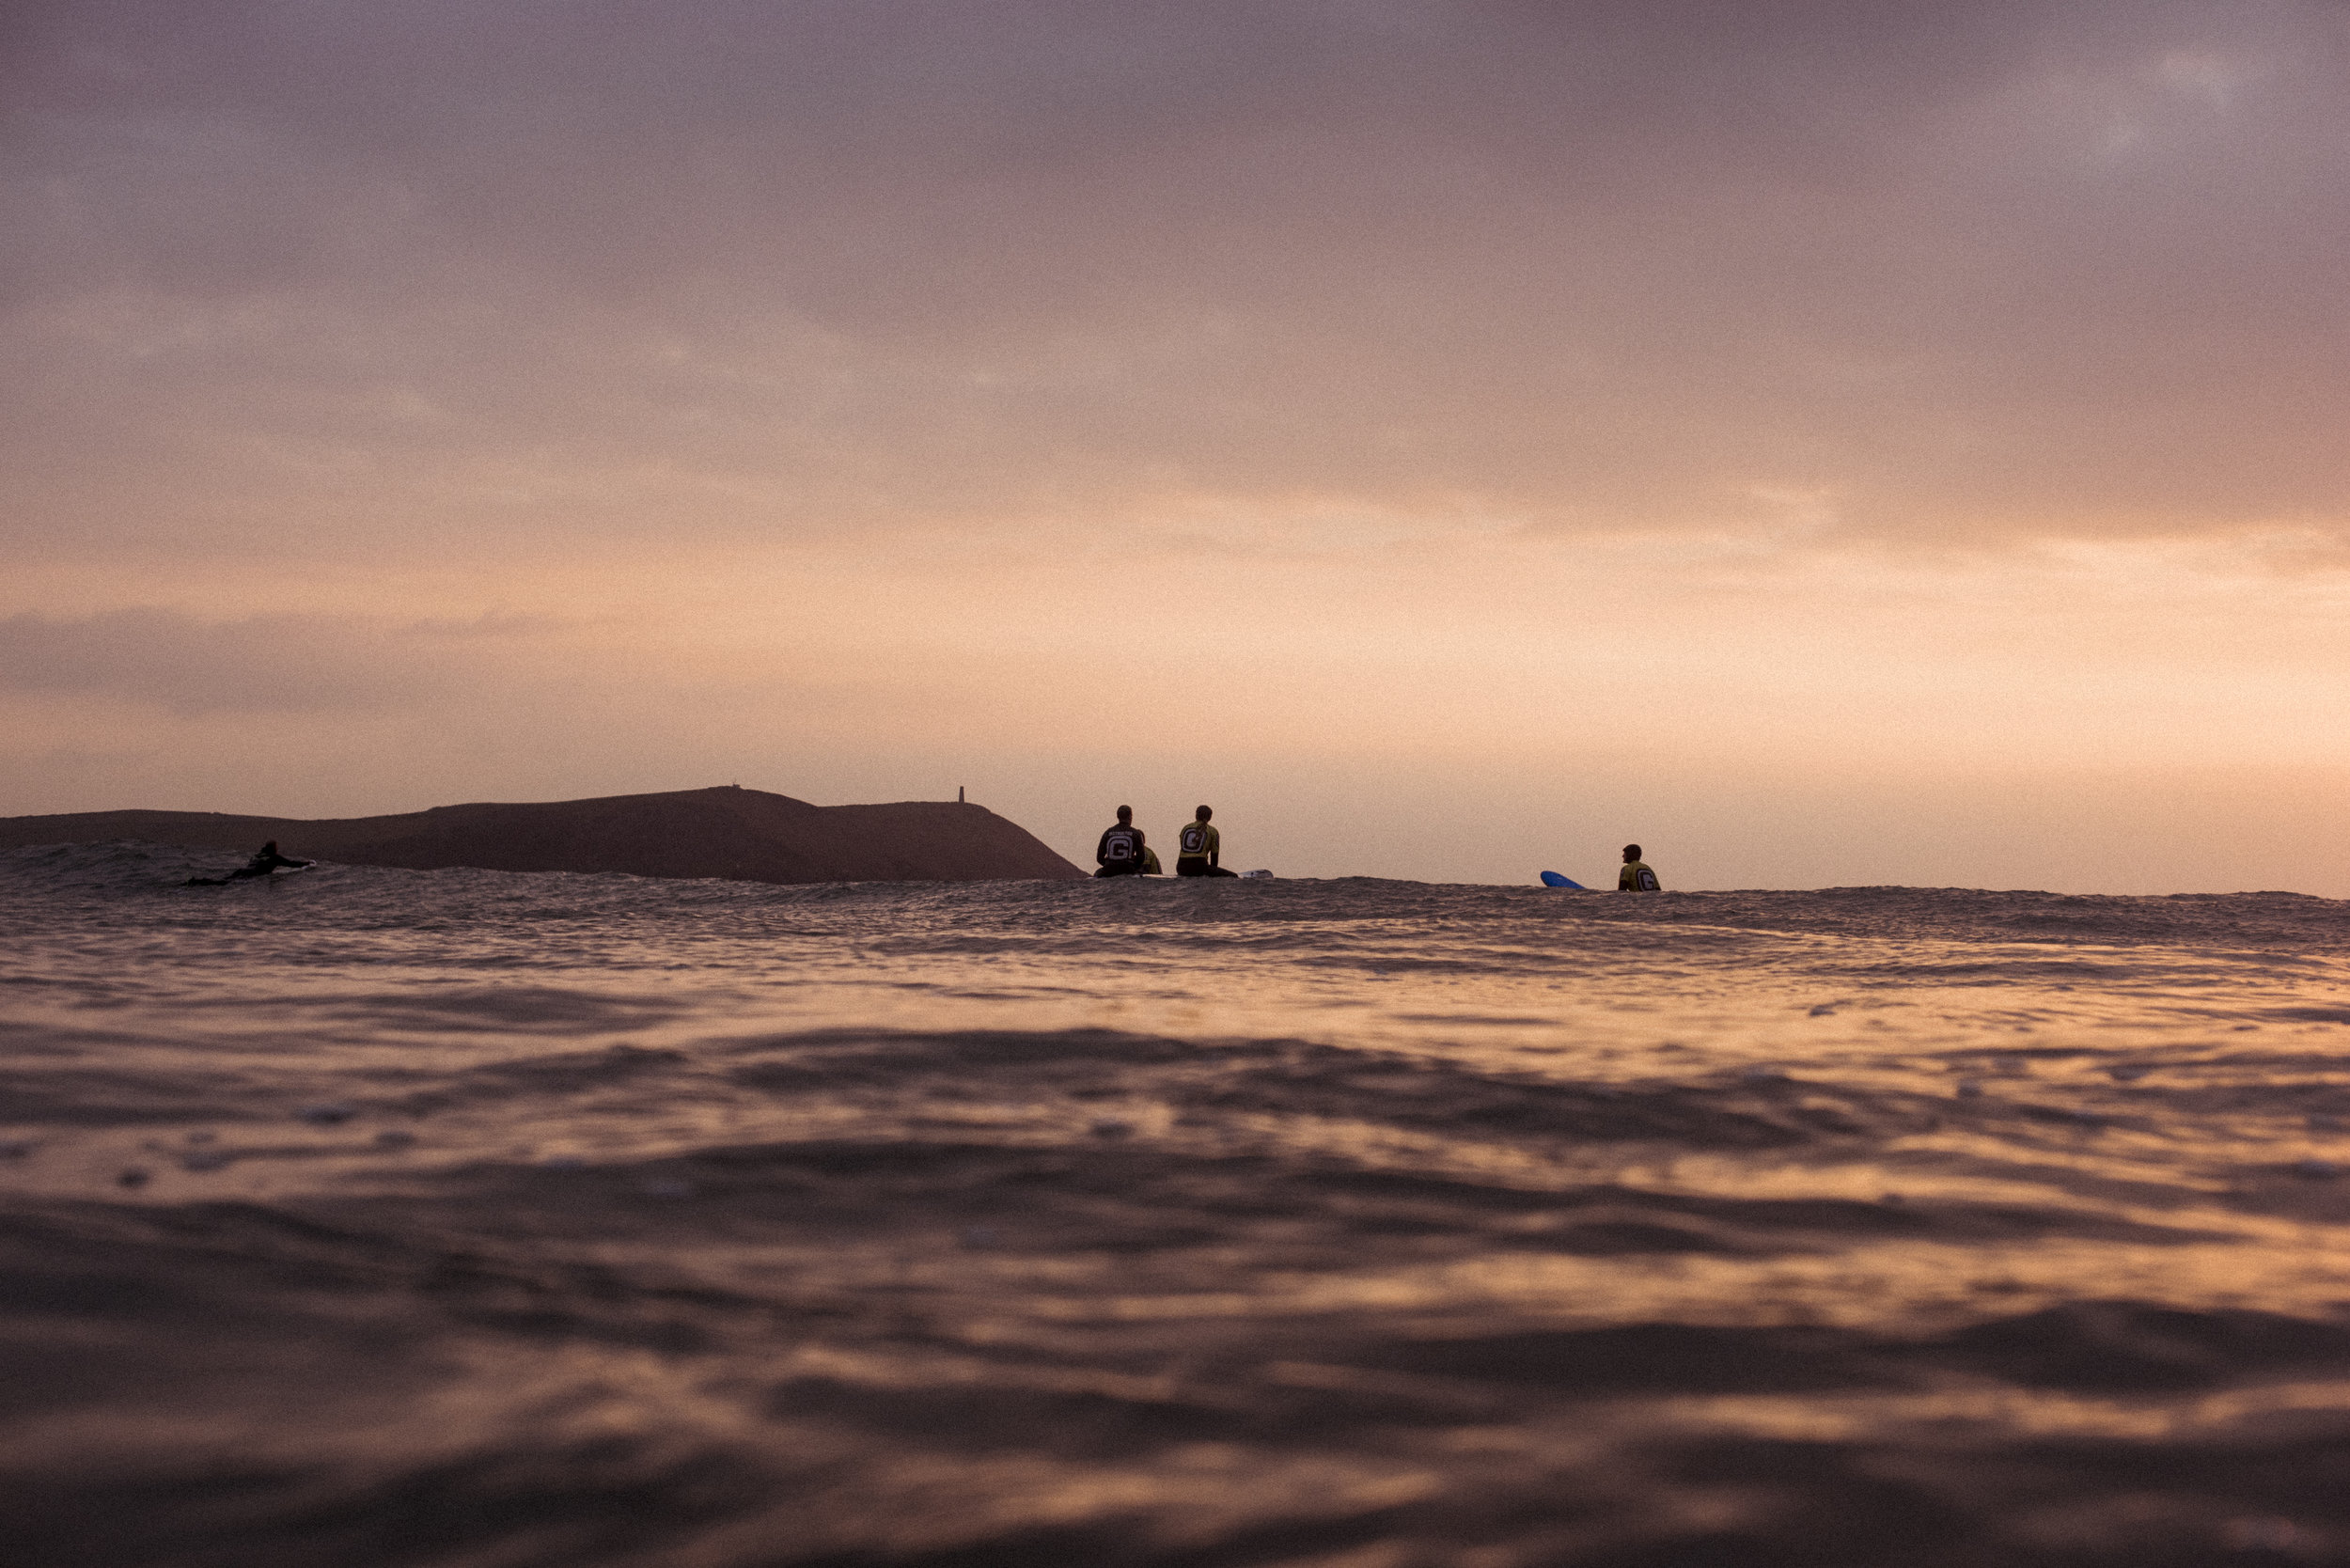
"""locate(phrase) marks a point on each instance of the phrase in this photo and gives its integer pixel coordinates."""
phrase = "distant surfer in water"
(1636, 877)
(1121, 852)
(1198, 848)
(262, 864)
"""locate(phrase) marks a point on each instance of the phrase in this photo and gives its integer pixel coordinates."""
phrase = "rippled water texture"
(466, 1218)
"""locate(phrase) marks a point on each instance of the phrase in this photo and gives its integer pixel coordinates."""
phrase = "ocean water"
(376, 1216)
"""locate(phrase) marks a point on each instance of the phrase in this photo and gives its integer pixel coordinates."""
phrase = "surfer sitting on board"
(1121, 850)
(1198, 848)
(262, 864)
(1636, 877)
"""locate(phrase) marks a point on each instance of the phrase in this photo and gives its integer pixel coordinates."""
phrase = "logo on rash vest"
(1119, 845)
(1195, 838)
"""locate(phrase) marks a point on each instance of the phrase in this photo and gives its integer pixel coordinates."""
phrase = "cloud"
(381, 281)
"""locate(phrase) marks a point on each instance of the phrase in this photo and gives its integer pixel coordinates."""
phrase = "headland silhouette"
(744, 835)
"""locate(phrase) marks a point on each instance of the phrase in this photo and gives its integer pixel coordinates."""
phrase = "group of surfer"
(1125, 851)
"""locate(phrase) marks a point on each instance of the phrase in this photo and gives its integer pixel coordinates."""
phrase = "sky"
(1829, 443)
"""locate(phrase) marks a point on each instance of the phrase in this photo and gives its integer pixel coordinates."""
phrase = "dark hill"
(727, 832)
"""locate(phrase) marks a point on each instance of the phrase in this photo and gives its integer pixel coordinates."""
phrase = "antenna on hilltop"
(959, 794)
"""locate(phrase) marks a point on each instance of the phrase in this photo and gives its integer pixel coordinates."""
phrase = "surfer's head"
(1203, 814)
(1631, 852)
(1125, 814)
(270, 848)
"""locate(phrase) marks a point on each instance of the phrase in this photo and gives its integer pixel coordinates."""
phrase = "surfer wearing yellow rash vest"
(1636, 877)
(1199, 847)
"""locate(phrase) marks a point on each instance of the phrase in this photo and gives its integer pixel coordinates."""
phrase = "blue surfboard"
(1552, 879)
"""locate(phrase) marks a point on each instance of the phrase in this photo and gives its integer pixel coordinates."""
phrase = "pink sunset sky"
(1829, 443)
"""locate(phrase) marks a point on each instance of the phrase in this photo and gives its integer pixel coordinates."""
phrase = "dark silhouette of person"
(1636, 877)
(1200, 848)
(1121, 850)
(266, 861)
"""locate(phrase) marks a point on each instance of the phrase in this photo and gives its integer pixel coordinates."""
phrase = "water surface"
(376, 1216)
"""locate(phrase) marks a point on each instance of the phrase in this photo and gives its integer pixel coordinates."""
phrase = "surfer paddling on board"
(1121, 851)
(262, 864)
(1636, 877)
(1199, 847)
